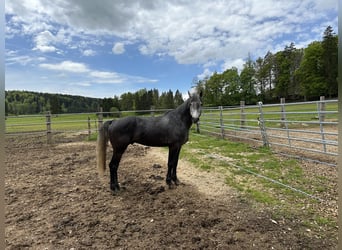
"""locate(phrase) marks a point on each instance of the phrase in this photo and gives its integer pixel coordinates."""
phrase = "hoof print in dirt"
(156, 177)
(155, 191)
(156, 166)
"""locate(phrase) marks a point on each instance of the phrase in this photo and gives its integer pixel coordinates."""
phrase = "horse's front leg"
(172, 165)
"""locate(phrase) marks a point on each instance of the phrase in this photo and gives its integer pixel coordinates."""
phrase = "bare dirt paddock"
(56, 200)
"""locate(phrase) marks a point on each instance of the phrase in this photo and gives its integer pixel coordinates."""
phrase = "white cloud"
(43, 42)
(206, 73)
(107, 77)
(192, 32)
(238, 63)
(103, 74)
(118, 48)
(13, 57)
(89, 52)
(94, 76)
(66, 66)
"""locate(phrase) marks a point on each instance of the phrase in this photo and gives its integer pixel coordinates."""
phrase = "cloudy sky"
(106, 48)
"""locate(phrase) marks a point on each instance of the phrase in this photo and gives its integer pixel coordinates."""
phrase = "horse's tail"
(101, 148)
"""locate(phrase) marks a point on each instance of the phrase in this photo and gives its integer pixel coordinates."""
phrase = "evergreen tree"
(248, 82)
(330, 60)
(178, 99)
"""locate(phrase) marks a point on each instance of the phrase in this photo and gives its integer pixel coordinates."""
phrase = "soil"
(56, 200)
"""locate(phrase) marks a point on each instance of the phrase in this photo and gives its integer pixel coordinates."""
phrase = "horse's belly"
(153, 140)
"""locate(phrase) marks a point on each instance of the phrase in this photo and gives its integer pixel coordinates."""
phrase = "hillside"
(27, 102)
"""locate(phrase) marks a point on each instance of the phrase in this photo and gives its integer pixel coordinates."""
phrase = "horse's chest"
(182, 137)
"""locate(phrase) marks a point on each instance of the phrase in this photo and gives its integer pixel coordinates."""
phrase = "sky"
(106, 48)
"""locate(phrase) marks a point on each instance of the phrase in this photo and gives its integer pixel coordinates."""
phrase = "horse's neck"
(184, 112)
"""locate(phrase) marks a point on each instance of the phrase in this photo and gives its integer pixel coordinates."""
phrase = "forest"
(294, 74)
(27, 102)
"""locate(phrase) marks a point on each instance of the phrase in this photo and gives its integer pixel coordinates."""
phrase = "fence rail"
(309, 130)
(306, 130)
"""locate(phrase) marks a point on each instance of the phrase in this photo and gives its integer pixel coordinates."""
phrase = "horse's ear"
(189, 94)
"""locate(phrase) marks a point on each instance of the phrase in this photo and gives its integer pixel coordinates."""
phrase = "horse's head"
(195, 103)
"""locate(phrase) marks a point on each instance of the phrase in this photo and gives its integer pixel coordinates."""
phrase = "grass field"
(250, 171)
(231, 117)
(296, 116)
(36, 123)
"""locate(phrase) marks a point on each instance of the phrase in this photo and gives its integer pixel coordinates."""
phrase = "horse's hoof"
(115, 188)
(176, 182)
(172, 186)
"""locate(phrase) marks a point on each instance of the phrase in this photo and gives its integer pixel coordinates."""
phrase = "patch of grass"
(242, 164)
(62, 122)
(232, 182)
(323, 221)
(261, 196)
(92, 137)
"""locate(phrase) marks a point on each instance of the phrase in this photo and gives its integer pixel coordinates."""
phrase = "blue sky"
(106, 48)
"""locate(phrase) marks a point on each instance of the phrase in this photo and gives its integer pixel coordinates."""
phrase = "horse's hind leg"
(113, 167)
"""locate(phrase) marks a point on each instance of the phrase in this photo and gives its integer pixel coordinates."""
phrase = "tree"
(268, 68)
(55, 107)
(178, 99)
(248, 82)
(126, 101)
(285, 64)
(6, 108)
(330, 60)
(107, 104)
(231, 80)
(214, 89)
(311, 72)
(155, 98)
(261, 78)
(166, 100)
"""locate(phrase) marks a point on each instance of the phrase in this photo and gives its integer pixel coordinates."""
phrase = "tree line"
(28, 102)
(295, 74)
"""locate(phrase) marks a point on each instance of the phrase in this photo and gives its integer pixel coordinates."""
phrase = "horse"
(168, 130)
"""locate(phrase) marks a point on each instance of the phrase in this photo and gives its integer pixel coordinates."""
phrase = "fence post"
(243, 115)
(89, 128)
(48, 127)
(321, 117)
(152, 111)
(262, 126)
(221, 122)
(322, 108)
(100, 117)
(283, 120)
(282, 109)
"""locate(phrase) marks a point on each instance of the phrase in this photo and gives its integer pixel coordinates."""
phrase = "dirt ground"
(56, 200)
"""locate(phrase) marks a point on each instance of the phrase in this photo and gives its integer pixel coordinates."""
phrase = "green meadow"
(231, 117)
(295, 115)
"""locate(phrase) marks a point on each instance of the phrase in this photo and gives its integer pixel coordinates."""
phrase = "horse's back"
(121, 131)
(149, 131)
